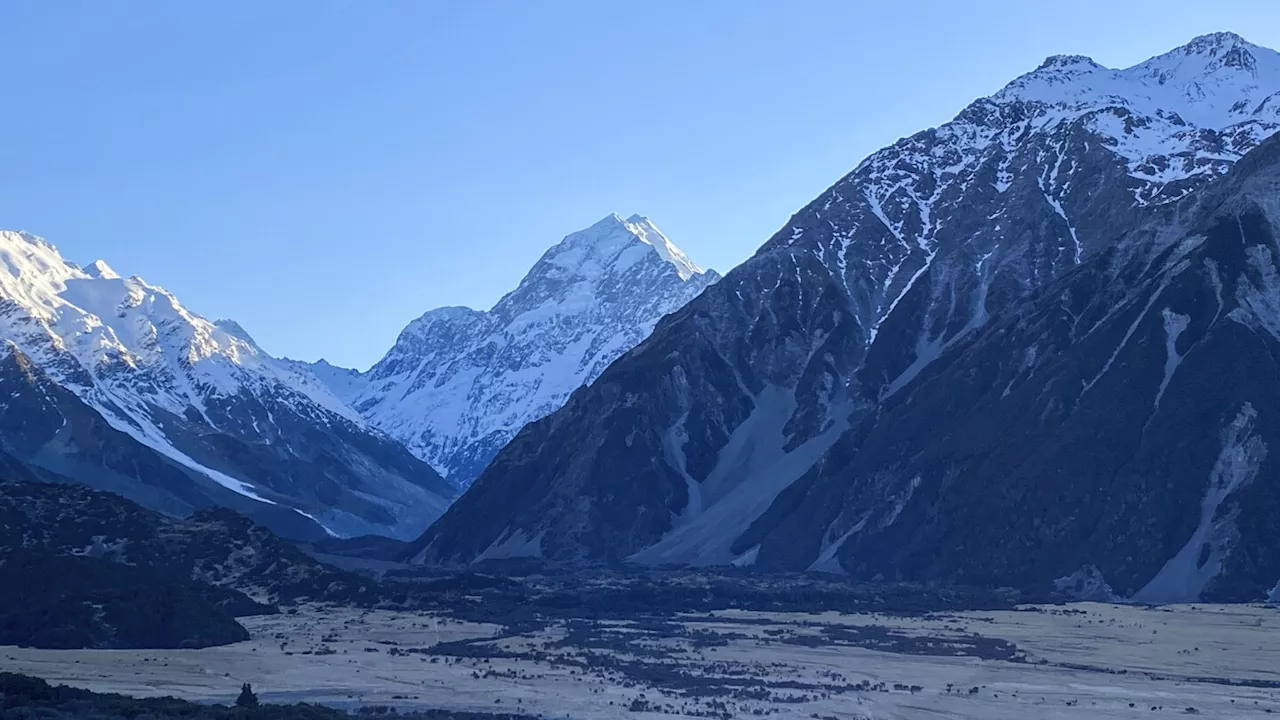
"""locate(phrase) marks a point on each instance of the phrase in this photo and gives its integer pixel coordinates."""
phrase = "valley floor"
(1076, 661)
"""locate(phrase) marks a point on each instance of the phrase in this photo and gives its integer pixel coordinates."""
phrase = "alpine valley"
(1036, 346)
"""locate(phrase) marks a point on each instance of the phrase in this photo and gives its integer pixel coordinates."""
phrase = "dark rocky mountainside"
(1121, 420)
(223, 556)
(838, 402)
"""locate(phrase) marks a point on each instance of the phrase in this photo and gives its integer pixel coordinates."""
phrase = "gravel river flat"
(1073, 661)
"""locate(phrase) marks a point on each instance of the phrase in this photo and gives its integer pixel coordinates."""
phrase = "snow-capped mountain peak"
(649, 234)
(169, 379)
(1213, 82)
(103, 319)
(459, 383)
(101, 270)
(616, 243)
(233, 328)
(1227, 49)
(1169, 125)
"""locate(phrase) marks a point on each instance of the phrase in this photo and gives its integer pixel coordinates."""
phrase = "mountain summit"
(648, 233)
(459, 383)
(1213, 82)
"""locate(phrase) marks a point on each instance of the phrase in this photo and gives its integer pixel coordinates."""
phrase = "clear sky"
(325, 171)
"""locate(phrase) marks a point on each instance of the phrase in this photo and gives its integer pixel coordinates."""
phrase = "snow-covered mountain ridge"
(459, 383)
(114, 327)
(174, 382)
(1165, 126)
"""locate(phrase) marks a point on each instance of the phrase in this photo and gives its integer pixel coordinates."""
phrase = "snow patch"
(673, 441)
(1174, 326)
(875, 327)
(1259, 296)
(1062, 213)
(900, 502)
(1133, 327)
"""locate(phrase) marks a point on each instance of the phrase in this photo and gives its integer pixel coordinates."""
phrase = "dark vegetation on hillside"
(83, 568)
(67, 601)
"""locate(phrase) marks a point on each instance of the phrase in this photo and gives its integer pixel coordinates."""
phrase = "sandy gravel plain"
(1076, 661)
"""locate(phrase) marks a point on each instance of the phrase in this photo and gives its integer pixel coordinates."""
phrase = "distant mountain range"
(1035, 345)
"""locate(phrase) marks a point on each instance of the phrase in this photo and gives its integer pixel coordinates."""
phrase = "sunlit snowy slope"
(111, 381)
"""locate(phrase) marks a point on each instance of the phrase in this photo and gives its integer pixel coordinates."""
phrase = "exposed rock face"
(978, 349)
(114, 383)
(460, 383)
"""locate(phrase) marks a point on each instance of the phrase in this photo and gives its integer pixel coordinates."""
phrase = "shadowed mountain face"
(114, 383)
(1000, 319)
(1121, 420)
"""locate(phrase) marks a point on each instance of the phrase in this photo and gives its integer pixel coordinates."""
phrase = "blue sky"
(325, 171)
